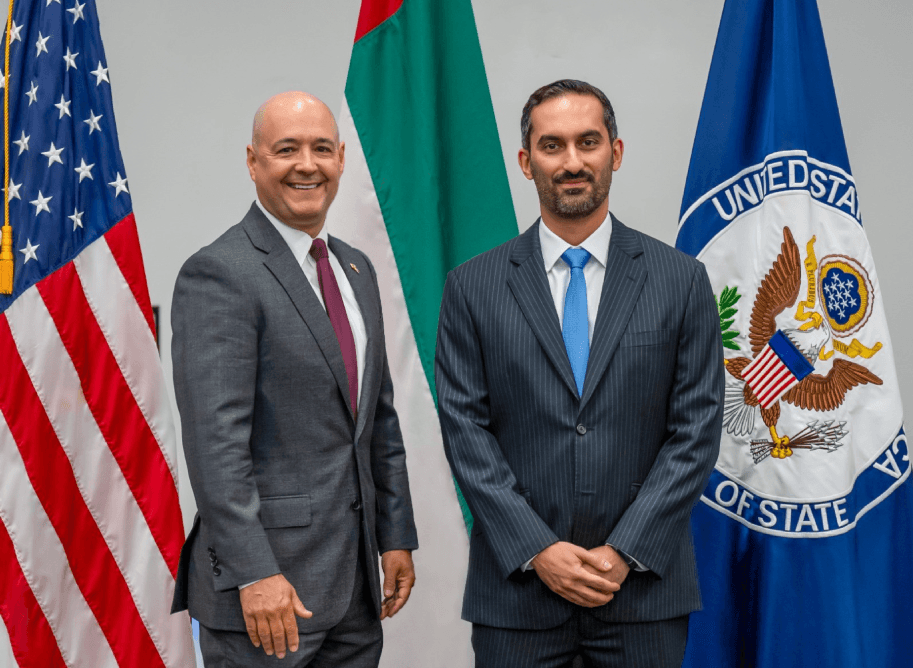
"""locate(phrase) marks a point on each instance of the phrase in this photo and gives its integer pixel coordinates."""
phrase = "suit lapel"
(529, 285)
(624, 279)
(282, 264)
(366, 296)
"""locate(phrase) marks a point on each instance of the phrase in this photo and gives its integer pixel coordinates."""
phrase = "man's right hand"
(561, 568)
(269, 607)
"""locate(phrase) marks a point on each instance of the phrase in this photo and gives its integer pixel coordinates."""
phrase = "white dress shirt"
(559, 273)
(300, 244)
(559, 277)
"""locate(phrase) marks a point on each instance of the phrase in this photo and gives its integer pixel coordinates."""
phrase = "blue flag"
(803, 534)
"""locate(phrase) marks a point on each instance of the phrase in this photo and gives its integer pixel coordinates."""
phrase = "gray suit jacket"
(286, 480)
(623, 464)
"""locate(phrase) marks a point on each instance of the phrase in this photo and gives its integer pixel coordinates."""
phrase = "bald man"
(293, 446)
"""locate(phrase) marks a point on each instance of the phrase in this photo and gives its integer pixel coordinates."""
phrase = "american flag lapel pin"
(354, 268)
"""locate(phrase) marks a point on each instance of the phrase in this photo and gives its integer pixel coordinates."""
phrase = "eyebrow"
(583, 135)
(293, 140)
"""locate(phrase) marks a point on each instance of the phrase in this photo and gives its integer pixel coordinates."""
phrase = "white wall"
(188, 76)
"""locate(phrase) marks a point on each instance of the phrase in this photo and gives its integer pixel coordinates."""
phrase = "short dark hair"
(558, 89)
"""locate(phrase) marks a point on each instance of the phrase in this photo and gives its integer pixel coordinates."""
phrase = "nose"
(305, 162)
(573, 160)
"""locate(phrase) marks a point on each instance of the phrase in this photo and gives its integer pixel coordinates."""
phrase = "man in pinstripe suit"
(579, 377)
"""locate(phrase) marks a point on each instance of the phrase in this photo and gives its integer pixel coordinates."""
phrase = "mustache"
(582, 175)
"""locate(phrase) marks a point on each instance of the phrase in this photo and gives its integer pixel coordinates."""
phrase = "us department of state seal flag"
(803, 534)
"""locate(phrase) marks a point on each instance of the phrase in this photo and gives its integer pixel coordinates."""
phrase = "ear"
(523, 159)
(251, 160)
(342, 157)
(618, 150)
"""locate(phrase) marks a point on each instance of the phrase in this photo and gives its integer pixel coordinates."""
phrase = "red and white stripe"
(91, 527)
(768, 377)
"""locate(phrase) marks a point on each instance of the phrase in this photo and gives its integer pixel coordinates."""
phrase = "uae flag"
(424, 190)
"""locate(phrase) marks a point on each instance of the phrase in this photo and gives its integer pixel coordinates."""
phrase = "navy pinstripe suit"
(622, 464)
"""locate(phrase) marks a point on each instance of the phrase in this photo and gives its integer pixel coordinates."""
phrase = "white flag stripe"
(44, 564)
(768, 390)
(98, 475)
(7, 660)
(128, 335)
(786, 381)
(356, 218)
(766, 375)
(758, 363)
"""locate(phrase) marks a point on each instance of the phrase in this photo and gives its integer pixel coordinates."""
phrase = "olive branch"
(725, 304)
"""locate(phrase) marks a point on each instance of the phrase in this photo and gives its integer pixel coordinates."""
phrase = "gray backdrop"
(188, 76)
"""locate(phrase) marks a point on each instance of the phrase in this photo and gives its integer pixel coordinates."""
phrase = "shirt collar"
(597, 244)
(298, 241)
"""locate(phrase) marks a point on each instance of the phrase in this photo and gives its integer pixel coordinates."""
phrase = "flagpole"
(6, 240)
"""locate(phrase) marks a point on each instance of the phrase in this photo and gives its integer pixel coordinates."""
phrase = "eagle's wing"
(825, 393)
(779, 289)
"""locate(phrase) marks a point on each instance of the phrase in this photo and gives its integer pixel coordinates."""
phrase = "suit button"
(214, 561)
(356, 504)
(216, 571)
(581, 429)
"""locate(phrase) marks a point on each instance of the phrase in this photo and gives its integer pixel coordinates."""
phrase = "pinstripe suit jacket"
(622, 464)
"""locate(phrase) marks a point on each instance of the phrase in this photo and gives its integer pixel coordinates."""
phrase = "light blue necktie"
(576, 326)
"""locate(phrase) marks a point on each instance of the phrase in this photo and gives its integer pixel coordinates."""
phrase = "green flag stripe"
(419, 98)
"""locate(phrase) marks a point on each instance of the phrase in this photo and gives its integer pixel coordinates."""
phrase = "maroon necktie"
(336, 309)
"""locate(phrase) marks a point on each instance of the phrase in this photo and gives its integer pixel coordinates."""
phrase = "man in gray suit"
(293, 446)
(579, 378)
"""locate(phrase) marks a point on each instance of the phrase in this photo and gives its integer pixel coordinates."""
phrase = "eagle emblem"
(783, 360)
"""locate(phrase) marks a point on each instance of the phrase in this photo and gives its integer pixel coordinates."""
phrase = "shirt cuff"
(240, 587)
(525, 567)
(632, 562)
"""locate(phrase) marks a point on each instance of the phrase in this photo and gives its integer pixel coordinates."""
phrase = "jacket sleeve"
(395, 525)
(510, 526)
(657, 520)
(214, 354)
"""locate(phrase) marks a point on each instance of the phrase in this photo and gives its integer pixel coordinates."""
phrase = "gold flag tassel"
(6, 232)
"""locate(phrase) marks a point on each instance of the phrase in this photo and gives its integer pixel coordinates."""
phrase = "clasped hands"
(587, 578)
(271, 605)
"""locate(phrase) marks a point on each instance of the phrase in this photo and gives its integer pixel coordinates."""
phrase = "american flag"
(91, 527)
(777, 368)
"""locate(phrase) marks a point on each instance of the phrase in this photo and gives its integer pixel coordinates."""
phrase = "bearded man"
(580, 385)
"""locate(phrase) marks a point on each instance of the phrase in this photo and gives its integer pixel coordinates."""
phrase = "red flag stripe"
(760, 365)
(119, 418)
(768, 374)
(133, 346)
(123, 240)
(33, 643)
(767, 389)
(373, 13)
(49, 472)
(101, 481)
(43, 560)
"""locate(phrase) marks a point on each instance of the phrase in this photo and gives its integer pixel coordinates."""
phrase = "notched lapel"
(282, 264)
(624, 280)
(529, 285)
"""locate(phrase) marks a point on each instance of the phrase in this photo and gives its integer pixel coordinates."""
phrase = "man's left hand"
(619, 570)
(399, 576)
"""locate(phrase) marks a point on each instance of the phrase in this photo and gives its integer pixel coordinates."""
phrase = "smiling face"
(571, 159)
(295, 160)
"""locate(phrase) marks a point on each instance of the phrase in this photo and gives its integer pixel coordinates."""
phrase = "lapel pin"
(354, 268)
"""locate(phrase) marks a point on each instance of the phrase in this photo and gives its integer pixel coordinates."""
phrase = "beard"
(574, 203)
